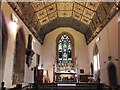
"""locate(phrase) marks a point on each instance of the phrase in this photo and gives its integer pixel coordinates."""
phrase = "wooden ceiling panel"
(64, 13)
(85, 20)
(47, 3)
(112, 11)
(101, 12)
(92, 27)
(88, 13)
(19, 4)
(34, 24)
(96, 21)
(42, 13)
(81, 3)
(43, 21)
(34, 21)
(108, 6)
(92, 5)
(38, 25)
(64, 6)
(52, 8)
(37, 5)
(52, 16)
(76, 16)
(28, 11)
(78, 8)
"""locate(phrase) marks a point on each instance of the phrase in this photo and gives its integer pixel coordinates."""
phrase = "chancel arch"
(19, 57)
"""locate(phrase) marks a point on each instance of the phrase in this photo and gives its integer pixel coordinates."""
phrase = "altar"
(65, 77)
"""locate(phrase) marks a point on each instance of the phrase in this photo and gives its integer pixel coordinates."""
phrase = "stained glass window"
(64, 49)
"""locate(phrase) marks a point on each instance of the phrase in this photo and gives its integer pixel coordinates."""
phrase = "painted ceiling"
(86, 17)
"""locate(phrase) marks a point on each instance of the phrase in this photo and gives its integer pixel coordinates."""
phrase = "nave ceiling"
(87, 18)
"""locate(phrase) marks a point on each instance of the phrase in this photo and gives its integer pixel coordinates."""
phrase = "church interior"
(60, 45)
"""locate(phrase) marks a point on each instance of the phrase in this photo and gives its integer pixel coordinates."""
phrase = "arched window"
(65, 52)
(64, 49)
(96, 58)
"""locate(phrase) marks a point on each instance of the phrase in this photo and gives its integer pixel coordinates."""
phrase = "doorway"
(112, 75)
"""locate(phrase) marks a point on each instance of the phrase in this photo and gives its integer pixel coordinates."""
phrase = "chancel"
(60, 45)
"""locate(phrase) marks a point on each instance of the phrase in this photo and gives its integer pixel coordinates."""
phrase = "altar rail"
(55, 86)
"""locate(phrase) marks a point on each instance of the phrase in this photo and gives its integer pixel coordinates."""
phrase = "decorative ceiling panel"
(64, 6)
(88, 13)
(20, 5)
(23, 8)
(108, 6)
(101, 12)
(34, 21)
(42, 13)
(87, 16)
(37, 6)
(104, 22)
(92, 5)
(112, 11)
(76, 16)
(78, 8)
(52, 8)
(91, 25)
(85, 20)
(43, 21)
(28, 11)
(96, 21)
(48, 3)
(52, 16)
(38, 25)
(82, 3)
(64, 13)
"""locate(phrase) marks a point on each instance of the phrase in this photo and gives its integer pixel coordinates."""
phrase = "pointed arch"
(65, 51)
(19, 57)
(68, 34)
(112, 74)
(96, 61)
(95, 49)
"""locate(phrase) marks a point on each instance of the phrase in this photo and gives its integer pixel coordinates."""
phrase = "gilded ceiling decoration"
(42, 17)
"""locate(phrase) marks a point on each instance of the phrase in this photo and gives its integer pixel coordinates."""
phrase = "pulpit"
(41, 75)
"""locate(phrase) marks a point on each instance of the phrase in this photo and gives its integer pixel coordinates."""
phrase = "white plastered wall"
(49, 50)
(108, 46)
(29, 75)
(119, 47)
